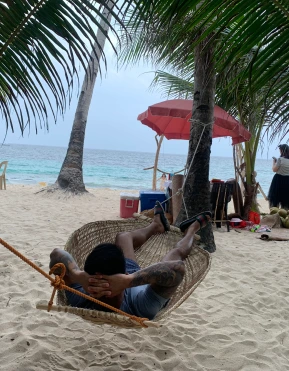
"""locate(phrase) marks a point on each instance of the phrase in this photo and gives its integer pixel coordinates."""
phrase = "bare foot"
(196, 222)
(158, 225)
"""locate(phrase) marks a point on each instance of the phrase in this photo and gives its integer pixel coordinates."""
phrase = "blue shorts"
(141, 301)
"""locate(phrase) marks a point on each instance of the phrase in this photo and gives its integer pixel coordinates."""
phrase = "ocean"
(122, 170)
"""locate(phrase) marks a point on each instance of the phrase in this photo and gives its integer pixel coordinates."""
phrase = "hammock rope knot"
(60, 276)
(58, 283)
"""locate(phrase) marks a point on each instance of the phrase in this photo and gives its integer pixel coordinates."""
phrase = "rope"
(58, 283)
(194, 155)
(187, 169)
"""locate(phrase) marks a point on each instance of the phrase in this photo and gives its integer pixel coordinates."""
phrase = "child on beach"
(112, 274)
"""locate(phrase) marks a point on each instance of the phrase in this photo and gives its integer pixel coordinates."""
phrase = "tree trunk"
(250, 198)
(197, 186)
(70, 177)
(250, 184)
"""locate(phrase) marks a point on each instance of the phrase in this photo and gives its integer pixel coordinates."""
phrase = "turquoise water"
(108, 169)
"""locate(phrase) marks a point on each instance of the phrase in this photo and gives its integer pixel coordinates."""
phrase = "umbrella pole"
(159, 143)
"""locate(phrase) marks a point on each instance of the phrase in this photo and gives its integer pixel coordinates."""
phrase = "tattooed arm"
(164, 278)
(74, 274)
(72, 270)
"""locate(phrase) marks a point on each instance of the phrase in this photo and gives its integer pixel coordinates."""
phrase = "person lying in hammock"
(112, 275)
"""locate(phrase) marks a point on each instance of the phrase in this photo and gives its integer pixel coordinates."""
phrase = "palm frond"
(42, 42)
(235, 28)
(173, 86)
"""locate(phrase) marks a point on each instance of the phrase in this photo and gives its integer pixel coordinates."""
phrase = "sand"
(237, 319)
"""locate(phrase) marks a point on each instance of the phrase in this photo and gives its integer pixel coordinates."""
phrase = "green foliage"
(172, 86)
(38, 39)
(249, 30)
(41, 45)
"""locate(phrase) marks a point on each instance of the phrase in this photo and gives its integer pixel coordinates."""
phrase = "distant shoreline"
(120, 170)
(116, 150)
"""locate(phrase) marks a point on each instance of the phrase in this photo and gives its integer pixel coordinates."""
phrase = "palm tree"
(197, 192)
(37, 36)
(169, 37)
(70, 177)
(147, 42)
(255, 111)
(41, 37)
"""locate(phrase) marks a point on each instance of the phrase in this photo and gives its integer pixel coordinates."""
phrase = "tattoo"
(163, 277)
(61, 256)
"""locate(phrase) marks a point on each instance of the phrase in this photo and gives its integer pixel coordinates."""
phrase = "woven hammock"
(84, 240)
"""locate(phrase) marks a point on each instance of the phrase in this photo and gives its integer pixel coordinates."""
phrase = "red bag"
(254, 217)
(241, 224)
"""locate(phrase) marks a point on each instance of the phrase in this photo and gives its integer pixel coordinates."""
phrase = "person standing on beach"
(112, 274)
(162, 180)
(278, 195)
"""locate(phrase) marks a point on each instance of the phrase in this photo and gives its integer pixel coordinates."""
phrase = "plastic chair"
(2, 176)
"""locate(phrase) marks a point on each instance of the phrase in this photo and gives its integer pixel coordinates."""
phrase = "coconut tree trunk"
(197, 186)
(70, 177)
(251, 185)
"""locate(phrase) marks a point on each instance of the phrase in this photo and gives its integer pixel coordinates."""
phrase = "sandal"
(202, 218)
(158, 210)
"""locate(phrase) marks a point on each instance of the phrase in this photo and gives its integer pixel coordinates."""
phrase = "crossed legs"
(129, 241)
(184, 247)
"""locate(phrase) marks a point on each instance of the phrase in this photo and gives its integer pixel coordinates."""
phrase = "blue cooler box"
(148, 199)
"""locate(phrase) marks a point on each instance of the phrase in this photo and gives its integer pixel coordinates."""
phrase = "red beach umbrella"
(171, 119)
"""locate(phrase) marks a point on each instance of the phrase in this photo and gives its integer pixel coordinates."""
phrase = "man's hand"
(109, 286)
(95, 290)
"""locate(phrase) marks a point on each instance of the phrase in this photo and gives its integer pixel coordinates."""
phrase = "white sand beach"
(237, 319)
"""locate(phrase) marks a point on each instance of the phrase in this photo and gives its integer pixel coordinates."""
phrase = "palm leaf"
(42, 42)
(235, 28)
(173, 86)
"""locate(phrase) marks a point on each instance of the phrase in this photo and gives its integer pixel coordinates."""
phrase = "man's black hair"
(105, 258)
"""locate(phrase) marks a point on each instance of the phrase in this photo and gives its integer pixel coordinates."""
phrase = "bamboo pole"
(159, 143)
(263, 193)
(236, 163)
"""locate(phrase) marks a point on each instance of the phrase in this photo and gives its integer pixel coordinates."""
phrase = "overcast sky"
(112, 122)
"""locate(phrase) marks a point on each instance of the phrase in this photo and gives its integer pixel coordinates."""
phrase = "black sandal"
(158, 210)
(202, 218)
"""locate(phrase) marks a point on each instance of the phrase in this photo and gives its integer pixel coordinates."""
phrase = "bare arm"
(72, 269)
(164, 278)
(275, 167)
(74, 274)
(166, 274)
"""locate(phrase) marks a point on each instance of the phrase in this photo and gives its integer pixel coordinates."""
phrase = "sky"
(119, 96)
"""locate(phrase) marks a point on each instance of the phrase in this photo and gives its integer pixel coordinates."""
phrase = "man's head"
(105, 258)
